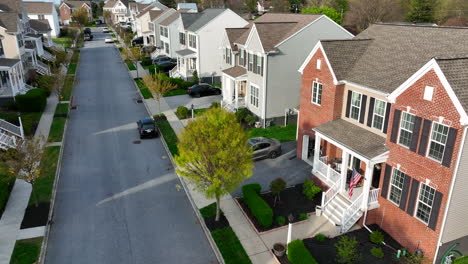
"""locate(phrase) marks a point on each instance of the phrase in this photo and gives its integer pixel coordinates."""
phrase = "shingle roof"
(9, 20)
(272, 33)
(173, 17)
(235, 71)
(395, 53)
(192, 6)
(456, 72)
(185, 52)
(195, 21)
(40, 25)
(77, 4)
(234, 34)
(39, 7)
(158, 4)
(110, 4)
(8, 62)
(154, 14)
(11, 6)
(360, 140)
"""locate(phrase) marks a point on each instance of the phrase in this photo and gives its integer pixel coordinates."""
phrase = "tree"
(94, 8)
(80, 17)
(421, 11)
(158, 86)
(251, 6)
(280, 6)
(24, 162)
(454, 10)
(169, 3)
(195, 78)
(107, 16)
(276, 187)
(325, 10)
(133, 54)
(362, 13)
(347, 252)
(214, 154)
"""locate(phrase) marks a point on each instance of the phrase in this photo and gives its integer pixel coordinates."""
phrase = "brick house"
(391, 103)
(68, 7)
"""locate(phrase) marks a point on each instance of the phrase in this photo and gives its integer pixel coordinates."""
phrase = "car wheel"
(273, 155)
(218, 93)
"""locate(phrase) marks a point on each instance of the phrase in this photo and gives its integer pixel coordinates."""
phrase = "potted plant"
(279, 249)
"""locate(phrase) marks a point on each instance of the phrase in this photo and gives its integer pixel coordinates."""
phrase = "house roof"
(234, 34)
(195, 21)
(9, 20)
(77, 4)
(159, 5)
(192, 6)
(155, 14)
(235, 71)
(456, 72)
(8, 62)
(173, 17)
(387, 55)
(110, 4)
(185, 52)
(39, 7)
(11, 6)
(358, 139)
(40, 25)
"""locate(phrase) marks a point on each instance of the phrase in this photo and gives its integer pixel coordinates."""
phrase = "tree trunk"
(159, 106)
(218, 209)
(136, 65)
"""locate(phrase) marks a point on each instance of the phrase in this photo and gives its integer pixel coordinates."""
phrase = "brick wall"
(65, 13)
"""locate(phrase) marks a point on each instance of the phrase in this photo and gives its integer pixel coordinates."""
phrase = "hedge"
(179, 82)
(34, 100)
(299, 254)
(259, 208)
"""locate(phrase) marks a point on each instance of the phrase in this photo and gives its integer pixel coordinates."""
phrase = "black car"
(162, 59)
(87, 31)
(203, 89)
(137, 41)
(147, 128)
(98, 22)
(88, 36)
(166, 66)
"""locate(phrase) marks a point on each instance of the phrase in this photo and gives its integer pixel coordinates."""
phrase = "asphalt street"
(118, 201)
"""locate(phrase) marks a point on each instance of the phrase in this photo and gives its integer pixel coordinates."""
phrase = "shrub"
(45, 82)
(280, 220)
(195, 78)
(299, 254)
(259, 208)
(215, 105)
(320, 237)
(346, 250)
(34, 100)
(250, 119)
(182, 112)
(277, 186)
(377, 252)
(309, 189)
(159, 117)
(146, 62)
(242, 113)
(303, 216)
(376, 237)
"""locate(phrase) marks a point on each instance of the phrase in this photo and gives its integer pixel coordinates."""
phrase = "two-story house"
(170, 35)
(67, 8)
(143, 20)
(257, 58)
(391, 104)
(119, 9)
(44, 10)
(135, 9)
(199, 38)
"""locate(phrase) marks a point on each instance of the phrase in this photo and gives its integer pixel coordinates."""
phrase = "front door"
(242, 88)
(376, 175)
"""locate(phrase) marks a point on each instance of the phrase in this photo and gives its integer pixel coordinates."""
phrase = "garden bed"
(36, 216)
(196, 113)
(209, 215)
(293, 201)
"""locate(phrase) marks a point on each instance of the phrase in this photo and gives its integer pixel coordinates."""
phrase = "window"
(2, 52)
(396, 186)
(166, 45)
(161, 31)
(20, 40)
(425, 201)
(316, 93)
(428, 93)
(259, 65)
(379, 114)
(406, 129)
(355, 105)
(438, 140)
(150, 25)
(192, 41)
(319, 64)
(254, 91)
(228, 55)
(241, 57)
(182, 38)
(41, 16)
(250, 68)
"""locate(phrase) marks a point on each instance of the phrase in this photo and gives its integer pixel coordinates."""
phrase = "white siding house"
(44, 10)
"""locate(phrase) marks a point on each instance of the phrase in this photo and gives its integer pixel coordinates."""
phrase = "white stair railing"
(373, 196)
(48, 56)
(10, 128)
(330, 194)
(7, 141)
(43, 68)
(350, 213)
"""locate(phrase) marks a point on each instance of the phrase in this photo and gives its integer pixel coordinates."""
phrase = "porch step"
(335, 209)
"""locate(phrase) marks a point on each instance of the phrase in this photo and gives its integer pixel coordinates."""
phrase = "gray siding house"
(260, 62)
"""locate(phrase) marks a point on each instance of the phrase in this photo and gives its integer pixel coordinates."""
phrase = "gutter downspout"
(265, 63)
(452, 185)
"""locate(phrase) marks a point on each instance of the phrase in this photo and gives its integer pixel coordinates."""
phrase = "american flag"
(354, 181)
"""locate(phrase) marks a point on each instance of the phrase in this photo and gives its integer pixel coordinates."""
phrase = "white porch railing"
(373, 196)
(352, 210)
(331, 193)
(7, 141)
(326, 171)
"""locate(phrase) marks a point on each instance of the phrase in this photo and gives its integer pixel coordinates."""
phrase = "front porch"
(186, 64)
(11, 78)
(234, 83)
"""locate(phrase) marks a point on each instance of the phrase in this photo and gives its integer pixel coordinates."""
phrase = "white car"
(105, 30)
(109, 40)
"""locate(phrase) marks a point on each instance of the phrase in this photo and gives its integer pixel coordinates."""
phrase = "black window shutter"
(412, 197)
(416, 129)
(348, 102)
(386, 181)
(395, 126)
(363, 109)
(254, 64)
(245, 57)
(424, 137)
(370, 115)
(261, 65)
(387, 117)
(435, 210)
(452, 137)
(404, 192)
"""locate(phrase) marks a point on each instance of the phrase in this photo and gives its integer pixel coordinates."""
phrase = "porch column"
(367, 183)
(344, 169)
(316, 152)
(236, 91)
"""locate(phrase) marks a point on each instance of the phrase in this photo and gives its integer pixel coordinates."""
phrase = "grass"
(144, 91)
(176, 92)
(5, 182)
(56, 129)
(64, 42)
(131, 66)
(43, 186)
(26, 251)
(67, 87)
(113, 35)
(71, 68)
(461, 260)
(61, 110)
(169, 136)
(28, 120)
(75, 57)
(283, 134)
(196, 113)
(209, 211)
(230, 246)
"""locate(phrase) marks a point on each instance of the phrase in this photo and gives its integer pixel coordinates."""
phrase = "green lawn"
(43, 186)
(71, 68)
(75, 57)
(113, 35)
(28, 120)
(169, 136)
(461, 260)
(196, 112)
(283, 134)
(131, 66)
(67, 87)
(26, 251)
(230, 246)
(144, 91)
(64, 42)
(61, 110)
(176, 92)
(56, 130)
(5, 183)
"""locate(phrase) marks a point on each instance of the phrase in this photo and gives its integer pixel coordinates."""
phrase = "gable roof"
(171, 18)
(155, 14)
(195, 21)
(77, 4)
(39, 7)
(9, 21)
(40, 25)
(11, 6)
(110, 4)
(456, 73)
(234, 34)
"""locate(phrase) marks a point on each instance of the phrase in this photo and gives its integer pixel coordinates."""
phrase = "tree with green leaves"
(132, 54)
(158, 86)
(80, 17)
(330, 12)
(276, 187)
(251, 6)
(214, 154)
(420, 11)
(362, 13)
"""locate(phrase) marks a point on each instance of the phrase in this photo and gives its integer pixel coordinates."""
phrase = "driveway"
(187, 101)
(286, 166)
(118, 199)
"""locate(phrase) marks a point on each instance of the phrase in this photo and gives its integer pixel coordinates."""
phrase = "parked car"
(108, 40)
(147, 127)
(166, 66)
(147, 49)
(87, 31)
(265, 147)
(88, 36)
(163, 58)
(125, 25)
(137, 41)
(203, 89)
(105, 30)
(98, 22)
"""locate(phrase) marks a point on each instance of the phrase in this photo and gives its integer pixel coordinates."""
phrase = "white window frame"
(428, 93)
(418, 201)
(394, 172)
(259, 65)
(319, 64)
(400, 128)
(254, 97)
(192, 40)
(250, 62)
(374, 114)
(359, 107)
(316, 99)
(228, 55)
(241, 57)
(437, 142)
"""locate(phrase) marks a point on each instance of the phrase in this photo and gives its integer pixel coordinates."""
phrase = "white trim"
(374, 114)
(430, 140)
(265, 72)
(431, 65)
(360, 106)
(249, 38)
(312, 93)
(417, 203)
(311, 54)
(367, 89)
(399, 129)
(250, 95)
(390, 187)
(343, 147)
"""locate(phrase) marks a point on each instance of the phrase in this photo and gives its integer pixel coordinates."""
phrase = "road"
(117, 201)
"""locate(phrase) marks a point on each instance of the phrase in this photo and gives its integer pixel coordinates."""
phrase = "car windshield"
(253, 141)
(147, 126)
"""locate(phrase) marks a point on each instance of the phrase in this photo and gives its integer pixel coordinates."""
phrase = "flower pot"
(279, 249)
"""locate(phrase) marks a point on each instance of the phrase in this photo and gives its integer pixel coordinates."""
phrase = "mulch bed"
(292, 202)
(36, 216)
(213, 225)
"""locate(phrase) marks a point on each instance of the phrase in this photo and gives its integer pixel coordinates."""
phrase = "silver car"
(265, 147)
